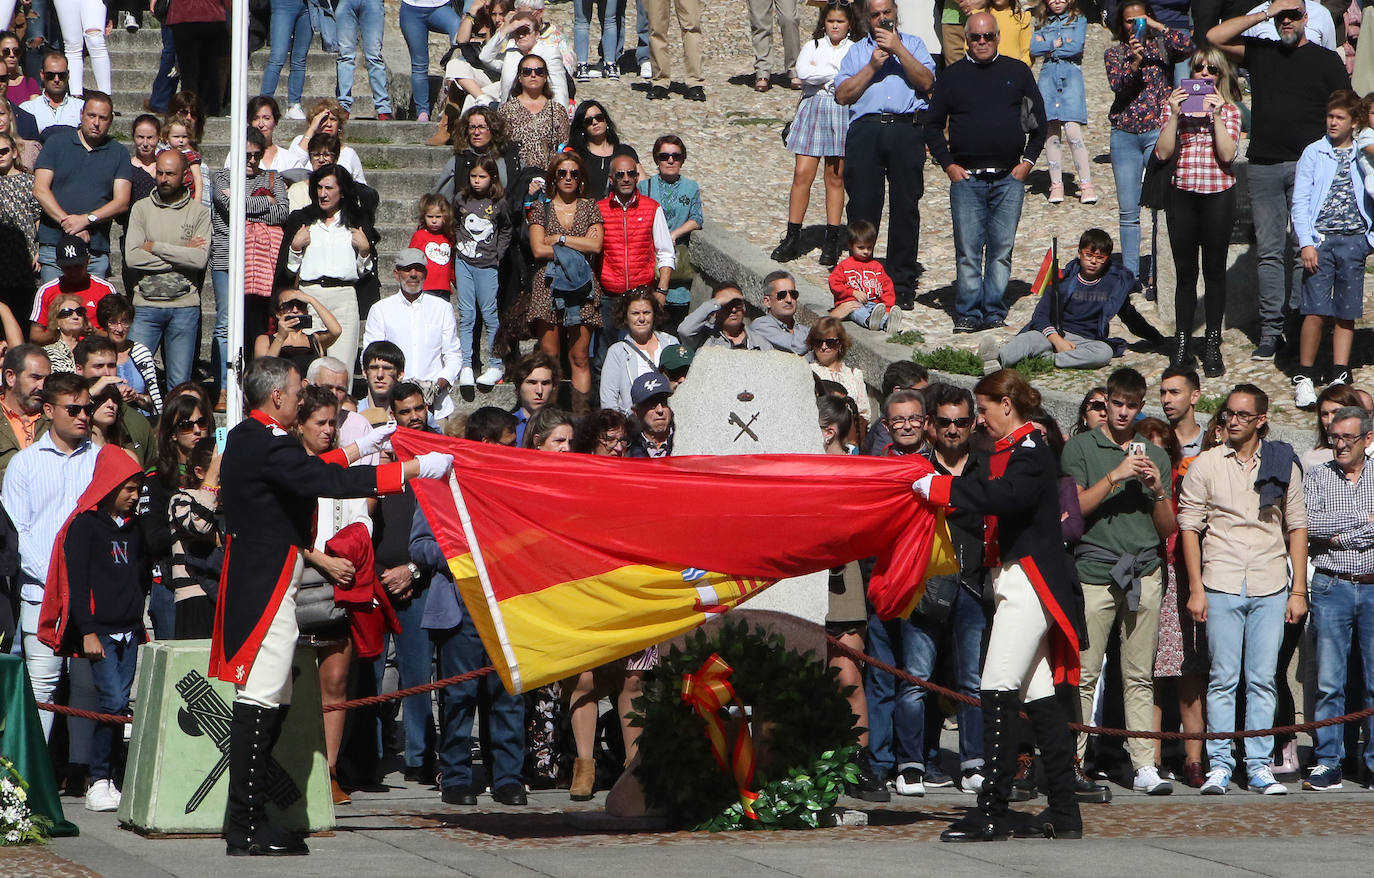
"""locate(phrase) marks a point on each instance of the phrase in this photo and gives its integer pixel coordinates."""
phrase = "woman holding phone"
(1201, 131)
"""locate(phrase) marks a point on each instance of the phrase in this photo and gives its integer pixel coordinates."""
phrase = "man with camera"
(886, 79)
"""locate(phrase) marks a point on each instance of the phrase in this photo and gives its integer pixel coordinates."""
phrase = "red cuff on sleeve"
(390, 478)
(337, 457)
(939, 490)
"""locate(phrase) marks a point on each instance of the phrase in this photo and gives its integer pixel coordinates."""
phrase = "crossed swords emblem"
(744, 426)
(206, 713)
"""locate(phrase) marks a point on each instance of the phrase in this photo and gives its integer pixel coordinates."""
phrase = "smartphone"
(305, 321)
(887, 24)
(1135, 448)
(1138, 28)
(1198, 90)
(221, 436)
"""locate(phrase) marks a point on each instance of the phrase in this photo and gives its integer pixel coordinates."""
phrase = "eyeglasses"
(945, 423)
(117, 321)
(1339, 440)
(913, 420)
(620, 175)
(483, 127)
(73, 410)
(79, 310)
(568, 174)
(186, 425)
(1097, 405)
(253, 155)
(831, 342)
(533, 71)
(613, 441)
(323, 155)
(839, 2)
(54, 74)
(982, 38)
(668, 157)
(589, 118)
(789, 293)
(1207, 68)
(1226, 416)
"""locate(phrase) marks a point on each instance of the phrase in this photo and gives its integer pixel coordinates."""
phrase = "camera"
(887, 24)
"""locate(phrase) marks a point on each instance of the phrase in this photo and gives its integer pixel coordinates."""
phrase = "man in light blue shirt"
(55, 105)
(886, 80)
(42, 486)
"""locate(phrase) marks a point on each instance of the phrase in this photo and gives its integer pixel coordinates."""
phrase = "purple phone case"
(1197, 89)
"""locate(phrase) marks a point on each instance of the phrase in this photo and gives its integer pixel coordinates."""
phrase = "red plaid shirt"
(1198, 169)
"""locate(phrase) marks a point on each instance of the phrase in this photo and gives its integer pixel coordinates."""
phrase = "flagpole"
(238, 185)
(1054, 285)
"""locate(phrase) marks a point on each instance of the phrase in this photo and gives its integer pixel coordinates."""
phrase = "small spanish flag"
(1048, 273)
(567, 561)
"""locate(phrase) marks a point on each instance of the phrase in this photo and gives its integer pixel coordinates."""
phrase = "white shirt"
(46, 115)
(425, 331)
(818, 63)
(348, 160)
(1320, 28)
(330, 253)
(42, 487)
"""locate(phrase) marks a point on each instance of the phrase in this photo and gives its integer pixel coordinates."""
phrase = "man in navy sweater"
(987, 156)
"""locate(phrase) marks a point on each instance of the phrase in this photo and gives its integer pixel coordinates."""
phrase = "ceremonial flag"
(568, 561)
(1048, 273)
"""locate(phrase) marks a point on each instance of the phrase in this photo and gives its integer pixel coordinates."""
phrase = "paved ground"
(406, 831)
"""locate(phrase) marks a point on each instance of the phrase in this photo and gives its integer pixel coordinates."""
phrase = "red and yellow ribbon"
(707, 691)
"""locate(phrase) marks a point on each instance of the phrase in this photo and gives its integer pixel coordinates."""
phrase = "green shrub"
(951, 360)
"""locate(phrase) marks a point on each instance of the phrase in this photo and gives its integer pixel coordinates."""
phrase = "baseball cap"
(71, 251)
(409, 256)
(647, 386)
(675, 357)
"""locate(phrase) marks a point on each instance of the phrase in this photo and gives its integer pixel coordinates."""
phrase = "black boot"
(252, 731)
(1061, 819)
(1181, 357)
(990, 820)
(1212, 365)
(830, 251)
(790, 246)
(869, 786)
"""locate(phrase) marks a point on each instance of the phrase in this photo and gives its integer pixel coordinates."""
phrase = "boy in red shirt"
(863, 291)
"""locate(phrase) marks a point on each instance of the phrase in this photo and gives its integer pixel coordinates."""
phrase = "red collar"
(1014, 436)
(265, 419)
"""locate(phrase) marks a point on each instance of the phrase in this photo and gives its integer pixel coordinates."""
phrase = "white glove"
(922, 486)
(376, 439)
(435, 465)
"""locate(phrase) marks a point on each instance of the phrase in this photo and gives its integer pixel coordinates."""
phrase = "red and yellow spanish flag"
(568, 561)
(1048, 273)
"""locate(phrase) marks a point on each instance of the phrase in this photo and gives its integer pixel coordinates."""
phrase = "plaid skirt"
(819, 126)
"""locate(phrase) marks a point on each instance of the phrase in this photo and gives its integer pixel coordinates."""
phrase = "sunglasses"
(253, 155)
(4, 150)
(186, 425)
(1207, 68)
(982, 38)
(568, 174)
(839, 2)
(1097, 405)
(79, 310)
(9, 53)
(589, 118)
(789, 293)
(831, 342)
(962, 423)
(533, 71)
(73, 410)
(620, 175)
(668, 157)
(54, 74)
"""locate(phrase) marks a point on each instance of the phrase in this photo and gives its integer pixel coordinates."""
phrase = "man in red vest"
(637, 251)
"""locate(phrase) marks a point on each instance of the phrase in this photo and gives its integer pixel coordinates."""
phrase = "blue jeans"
(1276, 247)
(612, 25)
(1253, 627)
(920, 639)
(47, 263)
(416, 23)
(413, 663)
(350, 16)
(290, 33)
(1341, 610)
(890, 728)
(164, 83)
(162, 609)
(1130, 152)
(322, 22)
(477, 289)
(641, 33)
(176, 331)
(113, 677)
(985, 214)
(460, 650)
(219, 354)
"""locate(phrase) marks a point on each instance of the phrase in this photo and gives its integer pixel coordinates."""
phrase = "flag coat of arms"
(567, 561)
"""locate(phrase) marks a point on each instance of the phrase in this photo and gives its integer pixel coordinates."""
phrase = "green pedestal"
(22, 742)
(178, 768)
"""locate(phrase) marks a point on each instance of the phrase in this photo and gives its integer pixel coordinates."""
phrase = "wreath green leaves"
(802, 725)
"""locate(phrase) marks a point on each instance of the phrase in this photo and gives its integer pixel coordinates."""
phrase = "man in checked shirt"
(1340, 528)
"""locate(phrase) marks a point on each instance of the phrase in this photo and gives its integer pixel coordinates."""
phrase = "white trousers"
(1018, 656)
(269, 680)
(84, 21)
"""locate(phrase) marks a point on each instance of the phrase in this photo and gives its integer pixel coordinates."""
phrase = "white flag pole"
(238, 184)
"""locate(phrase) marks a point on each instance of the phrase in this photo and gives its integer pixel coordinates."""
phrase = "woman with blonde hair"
(827, 343)
(328, 115)
(67, 314)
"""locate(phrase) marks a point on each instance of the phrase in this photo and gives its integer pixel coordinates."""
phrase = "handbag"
(316, 611)
(683, 272)
(1157, 181)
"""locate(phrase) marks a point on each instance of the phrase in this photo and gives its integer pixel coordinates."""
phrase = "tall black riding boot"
(1051, 724)
(1181, 357)
(830, 250)
(252, 731)
(990, 820)
(790, 247)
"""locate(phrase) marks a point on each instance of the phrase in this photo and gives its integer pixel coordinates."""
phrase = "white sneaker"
(987, 352)
(490, 378)
(1148, 781)
(646, 70)
(1304, 394)
(465, 377)
(972, 781)
(895, 319)
(102, 796)
(1218, 782)
(910, 782)
(875, 317)
(1262, 782)
(295, 112)
(130, 23)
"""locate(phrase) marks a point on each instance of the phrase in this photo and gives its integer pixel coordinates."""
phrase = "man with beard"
(1290, 80)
